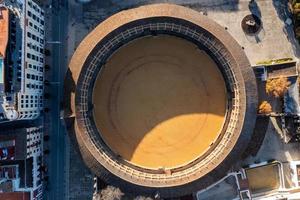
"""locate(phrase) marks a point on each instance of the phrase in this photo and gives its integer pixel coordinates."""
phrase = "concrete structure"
(21, 167)
(23, 61)
(34, 141)
(184, 23)
(30, 99)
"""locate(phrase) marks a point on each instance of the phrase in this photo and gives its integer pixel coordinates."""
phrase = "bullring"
(96, 63)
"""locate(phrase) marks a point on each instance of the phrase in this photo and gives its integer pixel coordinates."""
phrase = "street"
(58, 65)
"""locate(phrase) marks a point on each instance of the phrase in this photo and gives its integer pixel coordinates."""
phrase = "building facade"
(23, 61)
(21, 161)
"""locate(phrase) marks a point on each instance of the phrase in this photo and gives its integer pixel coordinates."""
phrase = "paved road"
(56, 159)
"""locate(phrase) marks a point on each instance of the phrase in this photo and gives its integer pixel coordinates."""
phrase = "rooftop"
(15, 196)
(4, 30)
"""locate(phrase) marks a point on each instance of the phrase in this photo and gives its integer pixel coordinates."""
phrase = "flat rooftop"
(263, 178)
(15, 196)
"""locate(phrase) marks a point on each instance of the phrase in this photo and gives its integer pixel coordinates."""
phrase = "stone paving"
(275, 39)
(273, 147)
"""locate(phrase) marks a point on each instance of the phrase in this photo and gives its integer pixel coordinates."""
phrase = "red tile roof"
(4, 29)
(15, 196)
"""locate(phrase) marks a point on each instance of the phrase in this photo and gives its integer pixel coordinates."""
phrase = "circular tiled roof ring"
(155, 20)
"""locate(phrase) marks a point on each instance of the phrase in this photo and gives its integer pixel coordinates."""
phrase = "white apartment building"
(30, 98)
(34, 149)
(24, 62)
(34, 141)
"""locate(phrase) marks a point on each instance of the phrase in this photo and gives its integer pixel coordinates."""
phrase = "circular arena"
(164, 101)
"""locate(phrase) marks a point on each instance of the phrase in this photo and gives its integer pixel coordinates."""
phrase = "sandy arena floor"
(159, 102)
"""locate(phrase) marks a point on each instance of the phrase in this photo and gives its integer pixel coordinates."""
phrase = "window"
(28, 34)
(28, 75)
(29, 13)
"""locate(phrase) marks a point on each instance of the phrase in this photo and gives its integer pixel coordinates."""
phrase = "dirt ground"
(159, 102)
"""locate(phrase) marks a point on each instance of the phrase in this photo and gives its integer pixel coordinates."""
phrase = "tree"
(142, 198)
(109, 193)
(47, 52)
(46, 82)
(46, 137)
(47, 151)
(277, 86)
(47, 67)
(265, 108)
(47, 95)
